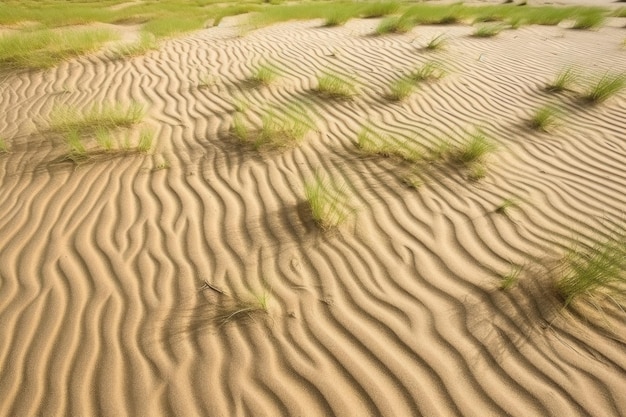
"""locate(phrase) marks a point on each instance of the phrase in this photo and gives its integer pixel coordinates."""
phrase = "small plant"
(606, 86)
(473, 149)
(329, 202)
(510, 279)
(545, 118)
(437, 43)
(374, 143)
(109, 115)
(506, 204)
(207, 80)
(400, 89)
(487, 31)
(264, 74)
(337, 19)
(146, 42)
(104, 139)
(145, 141)
(596, 270)
(563, 80)
(394, 25)
(76, 151)
(233, 308)
(429, 71)
(589, 21)
(477, 172)
(4, 148)
(335, 86)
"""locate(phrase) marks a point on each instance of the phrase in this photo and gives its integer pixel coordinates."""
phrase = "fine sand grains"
(193, 279)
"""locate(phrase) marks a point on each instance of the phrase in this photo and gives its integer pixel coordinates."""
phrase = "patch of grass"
(545, 117)
(429, 71)
(379, 9)
(40, 49)
(477, 172)
(337, 18)
(146, 42)
(264, 74)
(174, 25)
(589, 21)
(235, 308)
(605, 87)
(487, 31)
(588, 272)
(436, 43)
(146, 138)
(506, 205)
(564, 80)
(394, 24)
(400, 89)
(328, 201)
(104, 139)
(336, 86)
(4, 148)
(76, 150)
(207, 80)
(373, 143)
(473, 148)
(105, 116)
(511, 278)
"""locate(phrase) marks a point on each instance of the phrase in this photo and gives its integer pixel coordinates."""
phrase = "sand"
(105, 307)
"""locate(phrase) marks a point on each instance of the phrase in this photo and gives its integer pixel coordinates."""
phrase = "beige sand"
(104, 308)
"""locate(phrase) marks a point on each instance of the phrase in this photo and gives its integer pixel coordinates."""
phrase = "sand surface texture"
(129, 282)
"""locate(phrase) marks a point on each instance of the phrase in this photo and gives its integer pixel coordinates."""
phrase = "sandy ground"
(105, 310)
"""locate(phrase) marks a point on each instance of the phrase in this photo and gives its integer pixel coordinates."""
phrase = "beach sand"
(131, 285)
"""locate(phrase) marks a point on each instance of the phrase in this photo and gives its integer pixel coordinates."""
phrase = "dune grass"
(400, 89)
(506, 205)
(428, 71)
(511, 278)
(437, 43)
(238, 308)
(564, 80)
(589, 21)
(146, 42)
(45, 48)
(329, 202)
(4, 147)
(394, 24)
(337, 86)
(487, 31)
(473, 148)
(598, 270)
(604, 87)
(108, 115)
(545, 118)
(379, 9)
(373, 143)
(264, 74)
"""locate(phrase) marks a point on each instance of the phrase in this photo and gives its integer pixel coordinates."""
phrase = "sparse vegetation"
(595, 271)
(146, 42)
(76, 150)
(428, 71)
(487, 31)
(4, 148)
(589, 21)
(373, 143)
(436, 43)
(334, 85)
(477, 172)
(264, 74)
(605, 87)
(506, 205)
(328, 201)
(545, 117)
(473, 148)
(564, 80)
(146, 138)
(234, 308)
(400, 89)
(108, 115)
(394, 24)
(511, 278)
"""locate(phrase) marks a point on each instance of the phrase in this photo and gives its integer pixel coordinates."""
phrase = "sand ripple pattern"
(105, 310)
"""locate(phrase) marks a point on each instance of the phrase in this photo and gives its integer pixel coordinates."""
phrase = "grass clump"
(564, 80)
(373, 143)
(333, 85)
(544, 118)
(146, 138)
(400, 89)
(264, 74)
(40, 49)
(328, 201)
(429, 71)
(76, 150)
(605, 87)
(511, 278)
(589, 21)
(487, 31)
(380, 9)
(436, 43)
(596, 270)
(4, 148)
(146, 42)
(473, 148)
(108, 115)
(394, 24)
(506, 205)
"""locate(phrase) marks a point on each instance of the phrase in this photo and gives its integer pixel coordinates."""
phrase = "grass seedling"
(487, 31)
(588, 272)
(106, 116)
(437, 43)
(145, 141)
(264, 74)
(329, 202)
(4, 148)
(511, 279)
(563, 80)
(400, 89)
(372, 143)
(473, 149)
(606, 86)
(429, 71)
(544, 118)
(336, 86)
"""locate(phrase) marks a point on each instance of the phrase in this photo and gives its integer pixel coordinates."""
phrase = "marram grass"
(329, 202)
(104, 116)
(336, 86)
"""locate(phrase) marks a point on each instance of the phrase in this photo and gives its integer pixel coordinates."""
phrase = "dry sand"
(104, 308)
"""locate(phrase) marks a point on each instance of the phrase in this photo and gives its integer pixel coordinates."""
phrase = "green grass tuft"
(4, 148)
(372, 143)
(146, 42)
(589, 21)
(473, 149)
(510, 279)
(334, 85)
(146, 138)
(380, 9)
(400, 89)
(487, 31)
(429, 71)
(329, 202)
(394, 24)
(545, 117)
(596, 270)
(108, 115)
(76, 150)
(605, 87)
(564, 80)
(264, 74)
(436, 43)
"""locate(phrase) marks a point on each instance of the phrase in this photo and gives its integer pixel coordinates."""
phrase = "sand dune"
(104, 267)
